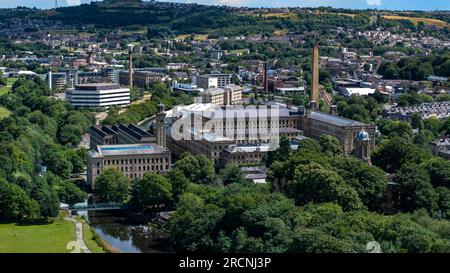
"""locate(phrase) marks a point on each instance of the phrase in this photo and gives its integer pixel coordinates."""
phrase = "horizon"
(413, 5)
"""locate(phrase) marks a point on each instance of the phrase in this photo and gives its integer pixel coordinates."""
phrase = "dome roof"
(362, 135)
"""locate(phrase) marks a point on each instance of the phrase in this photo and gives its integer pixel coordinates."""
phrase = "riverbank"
(94, 242)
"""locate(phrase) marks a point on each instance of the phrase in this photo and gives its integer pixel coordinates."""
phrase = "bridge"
(98, 206)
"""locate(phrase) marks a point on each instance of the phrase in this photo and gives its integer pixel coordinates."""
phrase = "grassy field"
(197, 37)
(49, 238)
(417, 20)
(5, 89)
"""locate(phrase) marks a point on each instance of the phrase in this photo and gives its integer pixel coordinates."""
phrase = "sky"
(355, 4)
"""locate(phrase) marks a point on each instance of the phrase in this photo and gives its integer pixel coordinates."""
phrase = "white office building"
(213, 80)
(98, 95)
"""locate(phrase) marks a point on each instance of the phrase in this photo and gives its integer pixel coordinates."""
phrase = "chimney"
(314, 96)
(266, 80)
(130, 64)
(313, 105)
(333, 110)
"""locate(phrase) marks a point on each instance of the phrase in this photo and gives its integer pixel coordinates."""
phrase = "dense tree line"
(417, 69)
(42, 131)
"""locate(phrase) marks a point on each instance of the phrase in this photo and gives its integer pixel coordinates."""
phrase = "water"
(120, 233)
(126, 237)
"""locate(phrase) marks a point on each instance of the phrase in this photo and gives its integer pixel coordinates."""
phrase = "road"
(79, 232)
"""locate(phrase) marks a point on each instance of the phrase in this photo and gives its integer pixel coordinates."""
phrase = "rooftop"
(97, 86)
(334, 120)
(127, 149)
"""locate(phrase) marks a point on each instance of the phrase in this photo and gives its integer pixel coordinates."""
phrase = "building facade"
(213, 80)
(227, 95)
(98, 95)
(129, 149)
(133, 160)
(141, 78)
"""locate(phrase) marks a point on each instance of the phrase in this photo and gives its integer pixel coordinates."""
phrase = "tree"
(417, 121)
(391, 154)
(231, 173)
(413, 189)
(330, 145)
(70, 135)
(370, 182)
(15, 205)
(444, 202)
(179, 182)
(3, 81)
(439, 171)
(392, 128)
(280, 154)
(152, 190)
(57, 162)
(194, 224)
(112, 186)
(77, 158)
(313, 183)
(198, 169)
(70, 193)
(45, 196)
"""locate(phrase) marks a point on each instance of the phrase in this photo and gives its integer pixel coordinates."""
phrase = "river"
(123, 235)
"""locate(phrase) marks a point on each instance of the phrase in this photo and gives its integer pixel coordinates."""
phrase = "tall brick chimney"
(314, 95)
(266, 80)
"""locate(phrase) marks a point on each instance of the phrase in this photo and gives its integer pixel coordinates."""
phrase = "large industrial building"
(214, 129)
(140, 78)
(128, 149)
(98, 95)
(245, 135)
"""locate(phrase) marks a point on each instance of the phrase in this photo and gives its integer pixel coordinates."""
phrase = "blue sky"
(358, 4)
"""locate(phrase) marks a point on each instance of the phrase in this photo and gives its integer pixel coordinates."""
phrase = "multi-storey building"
(213, 80)
(316, 124)
(98, 95)
(133, 160)
(57, 81)
(129, 149)
(227, 95)
(210, 130)
(141, 78)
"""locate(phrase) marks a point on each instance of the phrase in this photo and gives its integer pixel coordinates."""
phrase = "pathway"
(79, 232)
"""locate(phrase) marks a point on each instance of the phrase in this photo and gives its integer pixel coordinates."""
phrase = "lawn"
(197, 37)
(49, 238)
(416, 20)
(5, 89)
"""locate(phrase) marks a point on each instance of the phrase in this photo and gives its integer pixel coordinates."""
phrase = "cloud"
(374, 2)
(73, 2)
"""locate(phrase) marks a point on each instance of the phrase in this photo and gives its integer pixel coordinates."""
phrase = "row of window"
(133, 161)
